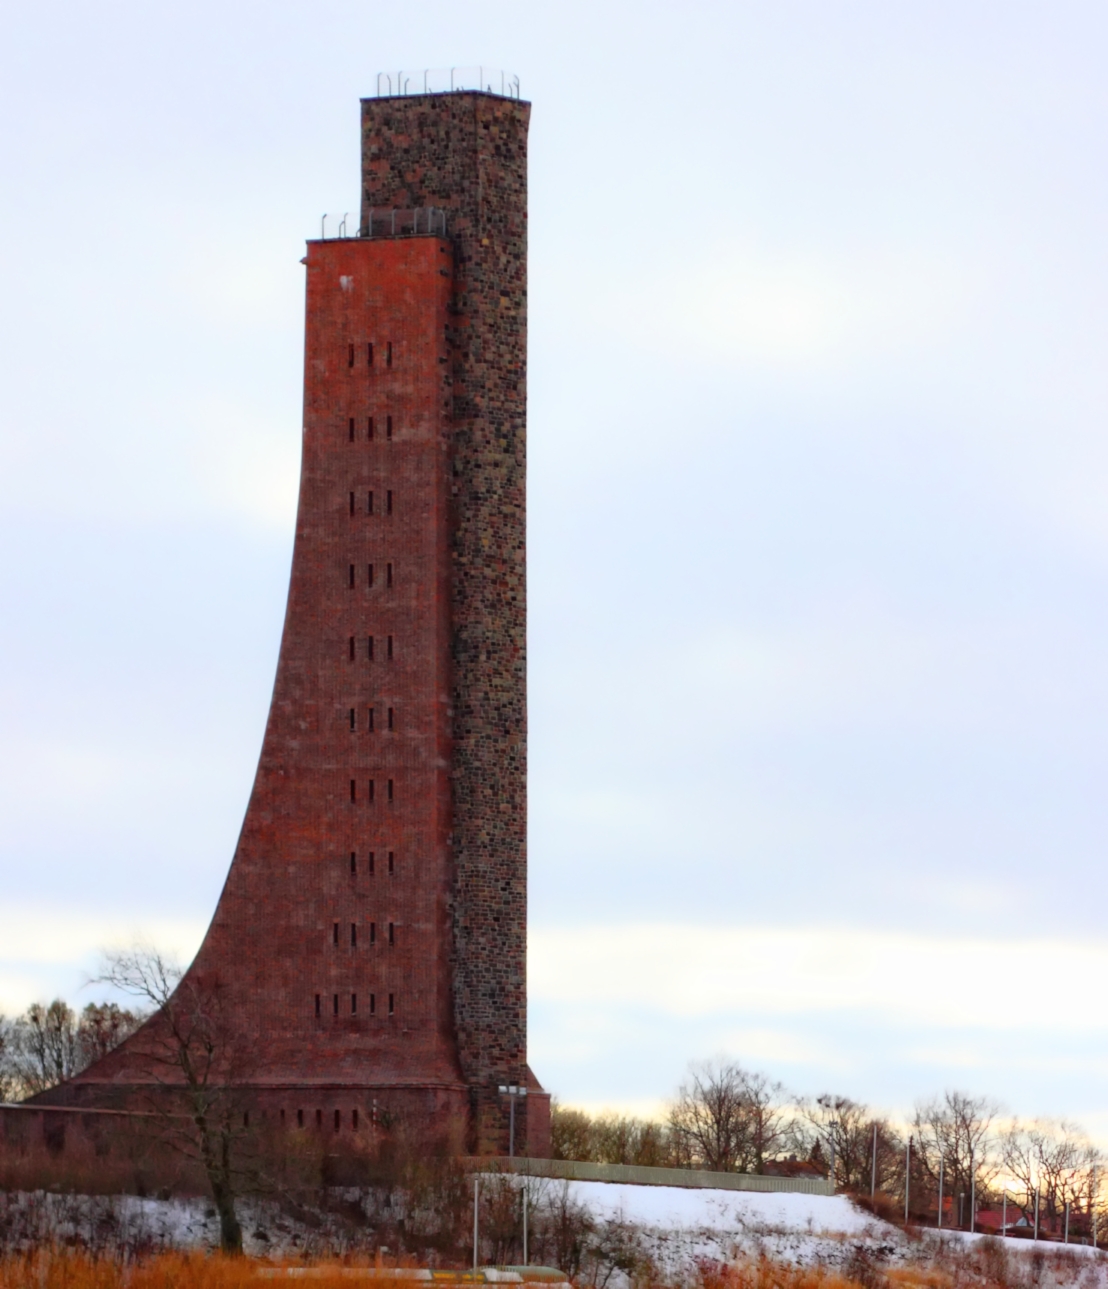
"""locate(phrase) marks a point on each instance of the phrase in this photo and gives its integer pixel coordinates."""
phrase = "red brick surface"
(415, 395)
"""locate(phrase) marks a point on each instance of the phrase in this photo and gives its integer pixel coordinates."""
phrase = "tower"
(370, 940)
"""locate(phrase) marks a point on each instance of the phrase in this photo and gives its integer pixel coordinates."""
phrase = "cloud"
(55, 949)
(683, 970)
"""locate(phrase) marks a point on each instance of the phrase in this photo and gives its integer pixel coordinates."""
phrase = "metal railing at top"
(385, 222)
(448, 80)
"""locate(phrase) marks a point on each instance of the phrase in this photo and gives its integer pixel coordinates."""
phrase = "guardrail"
(572, 1170)
(418, 221)
(447, 80)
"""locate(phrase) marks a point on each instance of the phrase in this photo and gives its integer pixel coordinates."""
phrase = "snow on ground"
(680, 1225)
(675, 1226)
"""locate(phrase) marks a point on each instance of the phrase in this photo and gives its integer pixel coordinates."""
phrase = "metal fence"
(385, 222)
(638, 1175)
(448, 80)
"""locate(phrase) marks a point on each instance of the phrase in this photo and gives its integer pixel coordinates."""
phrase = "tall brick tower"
(370, 941)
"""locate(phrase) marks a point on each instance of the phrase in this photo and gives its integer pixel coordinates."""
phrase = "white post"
(1092, 1205)
(1066, 1237)
(939, 1223)
(873, 1169)
(476, 1184)
(972, 1195)
(525, 1262)
(907, 1176)
(511, 1123)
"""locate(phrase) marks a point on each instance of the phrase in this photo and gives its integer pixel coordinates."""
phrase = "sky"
(818, 511)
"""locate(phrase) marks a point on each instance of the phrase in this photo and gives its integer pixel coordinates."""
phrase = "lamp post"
(512, 1091)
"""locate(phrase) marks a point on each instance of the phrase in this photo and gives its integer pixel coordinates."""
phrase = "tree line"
(723, 1117)
(51, 1042)
(727, 1118)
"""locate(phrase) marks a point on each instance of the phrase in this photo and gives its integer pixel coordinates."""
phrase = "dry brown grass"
(764, 1273)
(67, 1269)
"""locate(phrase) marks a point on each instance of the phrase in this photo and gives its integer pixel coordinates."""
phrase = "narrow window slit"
(388, 575)
(350, 356)
(317, 1013)
(368, 354)
(369, 573)
(390, 649)
(392, 1003)
(392, 722)
(390, 789)
(388, 427)
(388, 354)
(369, 504)
(353, 719)
(388, 502)
(335, 1004)
(369, 642)
(353, 935)
(351, 576)
(373, 933)
(372, 858)
(392, 934)
(372, 788)
(353, 863)
(353, 1004)
(300, 1113)
(369, 435)
(335, 933)
(352, 504)
(369, 713)
(351, 648)
(351, 429)
(354, 790)
(372, 1004)
(391, 858)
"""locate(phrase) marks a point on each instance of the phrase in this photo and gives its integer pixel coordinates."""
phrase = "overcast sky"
(818, 510)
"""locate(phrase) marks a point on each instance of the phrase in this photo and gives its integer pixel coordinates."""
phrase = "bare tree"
(45, 1045)
(1057, 1160)
(196, 1063)
(102, 1027)
(9, 1080)
(956, 1130)
(727, 1119)
(572, 1134)
(846, 1131)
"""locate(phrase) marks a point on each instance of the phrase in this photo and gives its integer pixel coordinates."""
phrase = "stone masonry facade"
(467, 153)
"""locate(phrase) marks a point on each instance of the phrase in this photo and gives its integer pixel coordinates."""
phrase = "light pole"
(512, 1091)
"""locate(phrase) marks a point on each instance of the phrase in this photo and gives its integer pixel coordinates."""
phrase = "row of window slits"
(372, 790)
(370, 353)
(352, 648)
(335, 1009)
(355, 1118)
(370, 724)
(370, 428)
(335, 936)
(369, 503)
(372, 863)
(369, 575)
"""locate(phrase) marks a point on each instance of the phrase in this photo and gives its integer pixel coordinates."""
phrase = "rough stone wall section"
(467, 153)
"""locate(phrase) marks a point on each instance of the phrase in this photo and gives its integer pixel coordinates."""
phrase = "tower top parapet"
(447, 80)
